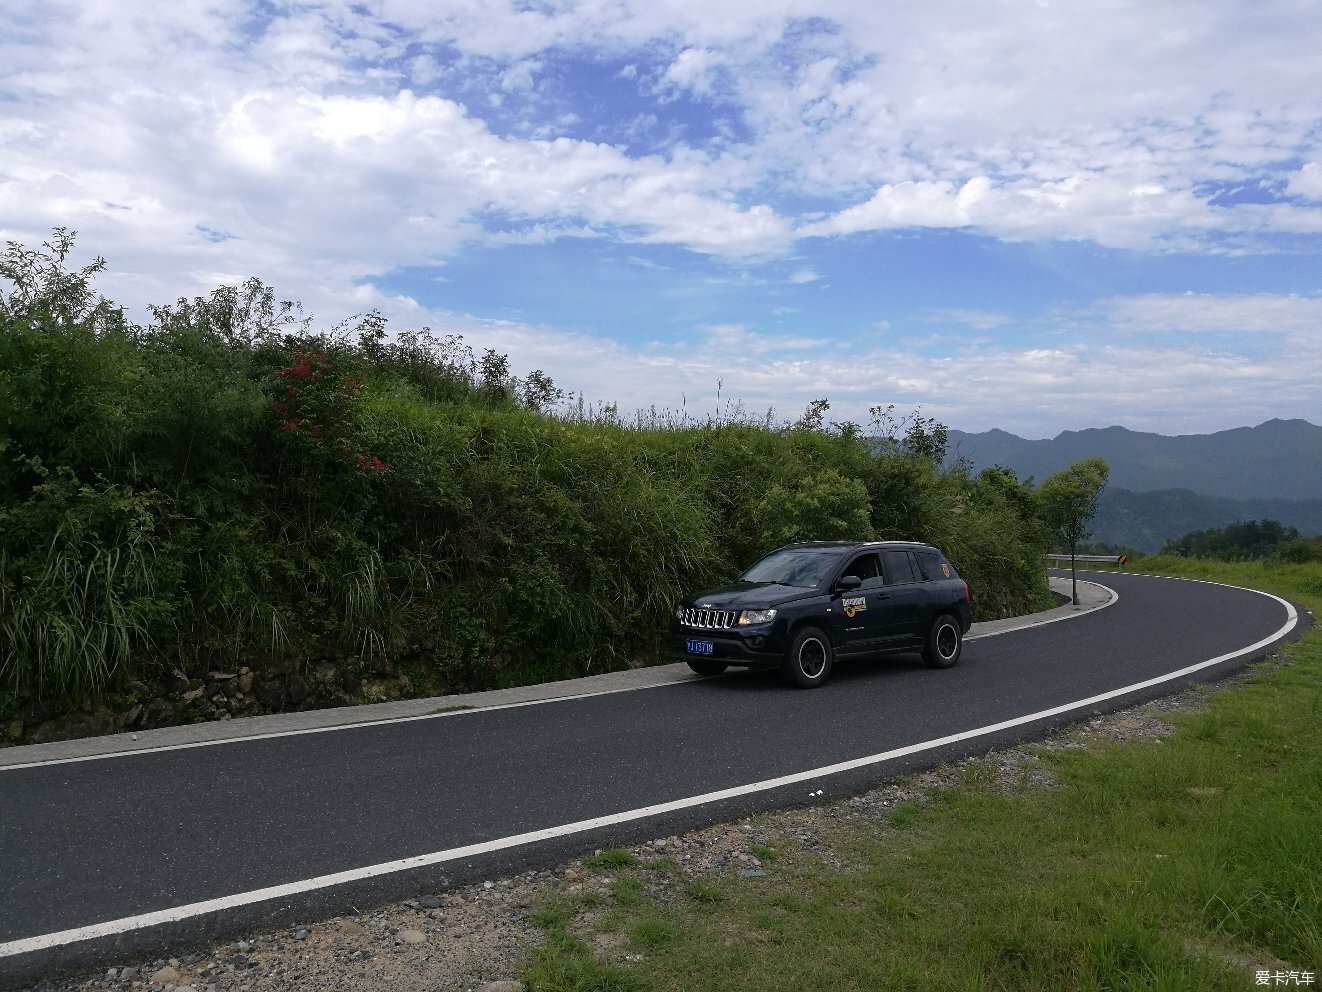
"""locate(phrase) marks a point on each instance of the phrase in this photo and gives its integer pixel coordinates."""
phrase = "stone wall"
(219, 695)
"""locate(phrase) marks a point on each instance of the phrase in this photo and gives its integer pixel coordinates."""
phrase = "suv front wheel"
(808, 661)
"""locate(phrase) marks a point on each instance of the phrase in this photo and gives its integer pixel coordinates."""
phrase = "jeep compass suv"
(804, 605)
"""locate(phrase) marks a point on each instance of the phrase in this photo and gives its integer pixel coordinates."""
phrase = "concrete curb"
(1092, 596)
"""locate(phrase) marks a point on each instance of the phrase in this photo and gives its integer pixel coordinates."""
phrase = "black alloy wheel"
(944, 642)
(809, 658)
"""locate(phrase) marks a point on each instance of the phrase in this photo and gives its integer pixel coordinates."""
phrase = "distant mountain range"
(1163, 487)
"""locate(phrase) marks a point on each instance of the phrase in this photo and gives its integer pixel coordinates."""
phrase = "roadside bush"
(825, 506)
(1300, 550)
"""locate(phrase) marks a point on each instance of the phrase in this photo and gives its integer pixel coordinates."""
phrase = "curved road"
(98, 856)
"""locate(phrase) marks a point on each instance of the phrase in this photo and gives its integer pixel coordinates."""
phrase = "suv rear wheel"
(944, 642)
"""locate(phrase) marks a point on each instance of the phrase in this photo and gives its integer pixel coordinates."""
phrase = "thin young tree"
(1068, 503)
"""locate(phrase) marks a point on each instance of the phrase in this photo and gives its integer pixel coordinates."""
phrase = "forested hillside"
(1146, 521)
(1251, 541)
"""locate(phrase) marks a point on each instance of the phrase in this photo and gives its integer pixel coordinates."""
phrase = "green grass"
(615, 858)
(1179, 865)
(704, 893)
(762, 852)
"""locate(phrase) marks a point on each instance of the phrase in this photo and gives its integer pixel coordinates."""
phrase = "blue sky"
(1036, 216)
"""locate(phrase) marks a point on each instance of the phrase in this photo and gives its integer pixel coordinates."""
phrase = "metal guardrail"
(1117, 560)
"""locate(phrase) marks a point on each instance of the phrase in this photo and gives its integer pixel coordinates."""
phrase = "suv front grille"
(709, 619)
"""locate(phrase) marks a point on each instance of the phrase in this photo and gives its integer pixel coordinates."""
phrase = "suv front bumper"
(753, 648)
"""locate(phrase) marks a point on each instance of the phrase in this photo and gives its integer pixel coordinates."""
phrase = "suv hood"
(749, 596)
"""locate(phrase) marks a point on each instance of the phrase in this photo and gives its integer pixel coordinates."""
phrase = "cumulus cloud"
(519, 77)
(947, 117)
(1307, 182)
(694, 69)
(907, 204)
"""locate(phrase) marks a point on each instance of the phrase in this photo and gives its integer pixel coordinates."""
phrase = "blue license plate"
(699, 647)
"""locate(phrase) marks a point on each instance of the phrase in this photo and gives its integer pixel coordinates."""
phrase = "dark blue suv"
(804, 605)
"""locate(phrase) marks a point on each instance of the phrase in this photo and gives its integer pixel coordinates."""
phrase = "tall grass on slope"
(81, 620)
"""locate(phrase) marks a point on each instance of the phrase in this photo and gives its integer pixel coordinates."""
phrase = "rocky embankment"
(218, 695)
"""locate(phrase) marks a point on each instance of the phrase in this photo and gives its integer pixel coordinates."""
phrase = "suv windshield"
(793, 567)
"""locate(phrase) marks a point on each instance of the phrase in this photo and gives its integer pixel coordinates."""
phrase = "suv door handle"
(883, 595)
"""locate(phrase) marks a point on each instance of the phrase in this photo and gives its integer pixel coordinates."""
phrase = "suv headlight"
(756, 616)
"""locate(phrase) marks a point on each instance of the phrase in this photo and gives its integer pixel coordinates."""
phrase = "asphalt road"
(83, 843)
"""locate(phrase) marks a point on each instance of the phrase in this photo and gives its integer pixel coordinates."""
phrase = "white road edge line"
(131, 752)
(29, 944)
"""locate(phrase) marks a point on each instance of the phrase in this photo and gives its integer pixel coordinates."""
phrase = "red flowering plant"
(313, 405)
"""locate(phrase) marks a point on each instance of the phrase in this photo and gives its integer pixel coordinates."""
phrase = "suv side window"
(934, 566)
(867, 568)
(897, 567)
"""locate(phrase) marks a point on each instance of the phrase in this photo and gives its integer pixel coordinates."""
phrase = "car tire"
(809, 658)
(944, 642)
(707, 667)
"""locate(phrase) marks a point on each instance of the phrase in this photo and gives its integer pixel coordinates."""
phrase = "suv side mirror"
(848, 583)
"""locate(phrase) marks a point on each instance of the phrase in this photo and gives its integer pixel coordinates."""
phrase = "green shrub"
(1300, 550)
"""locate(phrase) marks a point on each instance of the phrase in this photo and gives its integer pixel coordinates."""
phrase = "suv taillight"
(967, 597)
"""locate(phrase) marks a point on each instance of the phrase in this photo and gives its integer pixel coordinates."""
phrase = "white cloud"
(694, 69)
(346, 185)
(518, 78)
(803, 276)
(1205, 312)
(1072, 122)
(1307, 182)
(1113, 212)
(907, 204)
